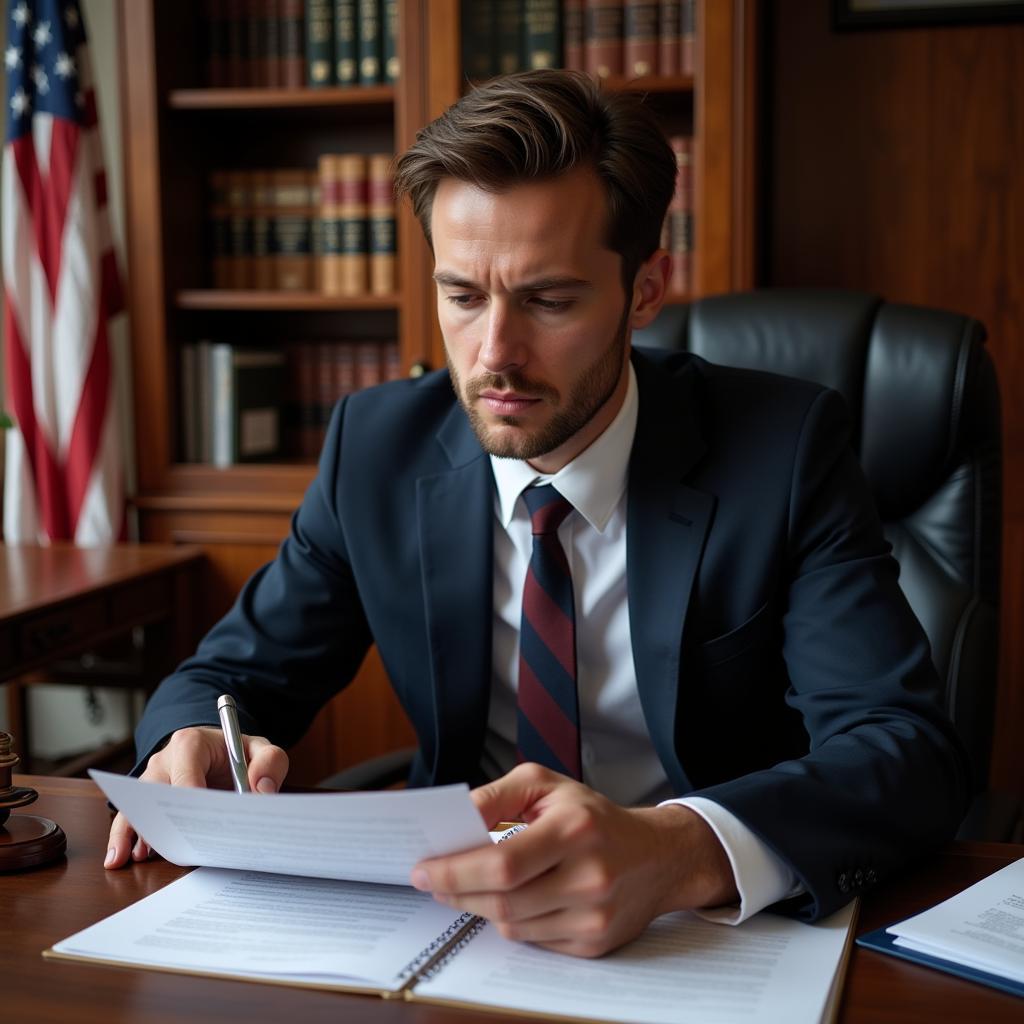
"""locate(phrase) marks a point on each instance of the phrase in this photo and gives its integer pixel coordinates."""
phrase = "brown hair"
(540, 124)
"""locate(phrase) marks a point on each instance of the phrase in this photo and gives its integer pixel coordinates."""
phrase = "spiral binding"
(437, 945)
(470, 933)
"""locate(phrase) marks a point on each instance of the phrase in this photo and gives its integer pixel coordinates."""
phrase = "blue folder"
(882, 941)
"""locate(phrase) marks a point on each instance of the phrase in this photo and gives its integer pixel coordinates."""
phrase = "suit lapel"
(455, 513)
(667, 526)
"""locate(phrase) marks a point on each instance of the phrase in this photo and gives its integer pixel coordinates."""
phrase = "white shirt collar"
(593, 482)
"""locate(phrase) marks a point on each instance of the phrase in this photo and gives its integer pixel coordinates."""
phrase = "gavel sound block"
(26, 841)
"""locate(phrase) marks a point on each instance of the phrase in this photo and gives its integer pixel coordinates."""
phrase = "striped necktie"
(548, 722)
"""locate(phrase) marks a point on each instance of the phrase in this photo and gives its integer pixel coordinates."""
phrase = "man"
(733, 641)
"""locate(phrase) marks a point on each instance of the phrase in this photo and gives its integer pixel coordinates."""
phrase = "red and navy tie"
(548, 724)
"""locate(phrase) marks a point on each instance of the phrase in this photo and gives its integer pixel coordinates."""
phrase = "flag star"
(42, 34)
(65, 66)
(12, 57)
(20, 102)
(20, 14)
(39, 77)
(71, 18)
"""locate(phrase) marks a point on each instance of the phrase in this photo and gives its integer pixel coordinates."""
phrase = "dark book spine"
(237, 44)
(256, 43)
(293, 234)
(293, 58)
(220, 230)
(369, 364)
(391, 64)
(681, 217)
(344, 369)
(392, 361)
(688, 37)
(543, 34)
(271, 43)
(319, 43)
(510, 36)
(262, 223)
(215, 24)
(640, 38)
(369, 42)
(478, 40)
(346, 52)
(668, 37)
(602, 42)
(240, 230)
(573, 26)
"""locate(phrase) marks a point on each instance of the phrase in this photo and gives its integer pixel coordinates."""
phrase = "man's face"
(535, 322)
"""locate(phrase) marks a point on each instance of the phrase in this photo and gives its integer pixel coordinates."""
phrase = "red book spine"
(688, 37)
(640, 38)
(602, 43)
(668, 37)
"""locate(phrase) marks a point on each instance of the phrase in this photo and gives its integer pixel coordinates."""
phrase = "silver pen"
(233, 740)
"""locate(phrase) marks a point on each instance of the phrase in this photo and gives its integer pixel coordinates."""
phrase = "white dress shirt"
(618, 758)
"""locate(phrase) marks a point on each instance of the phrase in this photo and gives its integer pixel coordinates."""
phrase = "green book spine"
(368, 36)
(479, 60)
(319, 43)
(391, 67)
(510, 17)
(542, 44)
(346, 57)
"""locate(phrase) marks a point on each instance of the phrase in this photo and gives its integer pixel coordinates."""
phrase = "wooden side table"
(61, 604)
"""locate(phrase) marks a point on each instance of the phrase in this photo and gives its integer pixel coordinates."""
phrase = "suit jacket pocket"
(755, 633)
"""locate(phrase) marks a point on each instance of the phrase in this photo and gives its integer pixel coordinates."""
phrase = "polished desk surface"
(37, 576)
(41, 907)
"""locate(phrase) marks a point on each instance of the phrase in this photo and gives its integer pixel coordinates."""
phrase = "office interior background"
(886, 159)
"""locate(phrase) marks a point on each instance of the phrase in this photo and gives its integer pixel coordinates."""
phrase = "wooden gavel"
(11, 796)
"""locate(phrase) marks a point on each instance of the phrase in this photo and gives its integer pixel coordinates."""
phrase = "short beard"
(594, 387)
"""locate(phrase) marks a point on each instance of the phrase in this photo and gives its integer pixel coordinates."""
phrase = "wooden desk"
(41, 907)
(60, 602)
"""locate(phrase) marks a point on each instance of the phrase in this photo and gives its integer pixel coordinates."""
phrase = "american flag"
(64, 469)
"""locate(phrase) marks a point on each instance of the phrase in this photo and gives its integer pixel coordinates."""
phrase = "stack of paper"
(977, 934)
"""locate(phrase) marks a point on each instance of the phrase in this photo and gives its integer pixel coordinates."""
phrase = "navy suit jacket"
(780, 670)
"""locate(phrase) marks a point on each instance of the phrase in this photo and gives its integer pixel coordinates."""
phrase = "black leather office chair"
(925, 404)
(922, 391)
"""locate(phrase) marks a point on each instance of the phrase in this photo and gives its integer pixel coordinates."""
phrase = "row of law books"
(299, 43)
(242, 403)
(330, 230)
(634, 38)
(320, 373)
(677, 231)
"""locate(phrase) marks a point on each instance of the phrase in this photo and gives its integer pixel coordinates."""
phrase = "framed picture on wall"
(861, 14)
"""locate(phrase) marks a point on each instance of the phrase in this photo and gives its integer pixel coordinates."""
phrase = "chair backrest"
(924, 399)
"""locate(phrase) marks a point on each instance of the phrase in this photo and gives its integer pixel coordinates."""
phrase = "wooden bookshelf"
(176, 130)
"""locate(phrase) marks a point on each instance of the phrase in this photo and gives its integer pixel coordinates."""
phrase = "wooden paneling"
(896, 168)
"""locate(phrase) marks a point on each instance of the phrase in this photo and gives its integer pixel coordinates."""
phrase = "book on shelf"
(677, 234)
(603, 38)
(296, 43)
(231, 402)
(289, 229)
(325, 904)
(640, 38)
(319, 373)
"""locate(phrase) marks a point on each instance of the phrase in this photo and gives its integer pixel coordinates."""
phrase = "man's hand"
(197, 757)
(587, 875)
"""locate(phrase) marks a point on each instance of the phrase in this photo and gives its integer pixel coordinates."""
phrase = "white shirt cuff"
(762, 878)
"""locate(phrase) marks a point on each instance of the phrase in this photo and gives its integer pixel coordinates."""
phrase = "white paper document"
(981, 927)
(363, 837)
(683, 969)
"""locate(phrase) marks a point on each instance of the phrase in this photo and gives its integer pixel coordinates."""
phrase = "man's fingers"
(497, 868)
(268, 765)
(511, 797)
(119, 846)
